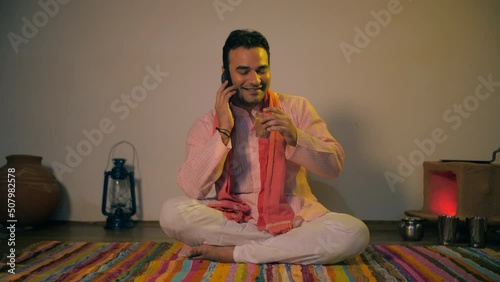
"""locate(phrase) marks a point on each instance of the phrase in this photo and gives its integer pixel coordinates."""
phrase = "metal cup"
(447, 229)
(477, 227)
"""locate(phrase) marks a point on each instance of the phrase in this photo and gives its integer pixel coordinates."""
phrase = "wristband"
(226, 132)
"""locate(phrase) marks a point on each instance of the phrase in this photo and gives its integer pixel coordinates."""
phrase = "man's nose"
(255, 78)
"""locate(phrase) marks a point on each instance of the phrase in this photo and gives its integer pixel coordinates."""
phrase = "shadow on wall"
(63, 209)
(361, 186)
(328, 195)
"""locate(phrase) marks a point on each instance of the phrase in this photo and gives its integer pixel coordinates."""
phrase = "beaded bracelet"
(226, 132)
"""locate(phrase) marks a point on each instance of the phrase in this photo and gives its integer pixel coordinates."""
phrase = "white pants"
(328, 239)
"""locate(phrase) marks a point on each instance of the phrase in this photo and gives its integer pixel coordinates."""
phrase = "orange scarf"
(275, 214)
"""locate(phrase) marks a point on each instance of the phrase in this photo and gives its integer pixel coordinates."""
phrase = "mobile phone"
(225, 76)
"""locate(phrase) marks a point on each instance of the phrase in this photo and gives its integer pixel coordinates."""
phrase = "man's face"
(250, 73)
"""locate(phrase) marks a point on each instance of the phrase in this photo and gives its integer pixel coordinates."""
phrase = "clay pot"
(36, 195)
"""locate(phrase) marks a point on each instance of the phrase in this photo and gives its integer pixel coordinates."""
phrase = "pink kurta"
(316, 151)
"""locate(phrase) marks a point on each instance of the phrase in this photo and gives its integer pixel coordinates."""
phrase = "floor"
(381, 232)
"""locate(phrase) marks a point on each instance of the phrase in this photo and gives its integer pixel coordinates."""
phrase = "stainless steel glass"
(447, 229)
(477, 227)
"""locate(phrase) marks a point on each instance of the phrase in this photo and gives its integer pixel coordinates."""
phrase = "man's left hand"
(275, 119)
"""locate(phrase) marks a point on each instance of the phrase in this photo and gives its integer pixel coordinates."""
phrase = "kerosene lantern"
(118, 201)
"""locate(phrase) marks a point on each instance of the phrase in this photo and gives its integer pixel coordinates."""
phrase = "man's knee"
(166, 216)
(172, 215)
(346, 244)
(185, 219)
(359, 240)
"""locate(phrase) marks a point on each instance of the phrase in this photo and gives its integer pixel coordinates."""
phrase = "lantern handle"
(112, 152)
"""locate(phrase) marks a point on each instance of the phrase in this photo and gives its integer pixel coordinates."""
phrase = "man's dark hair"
(244, 38)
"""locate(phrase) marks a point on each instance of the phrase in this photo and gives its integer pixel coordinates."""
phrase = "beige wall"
(414, 79)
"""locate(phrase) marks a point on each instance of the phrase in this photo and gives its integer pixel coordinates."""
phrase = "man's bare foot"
(213, 253)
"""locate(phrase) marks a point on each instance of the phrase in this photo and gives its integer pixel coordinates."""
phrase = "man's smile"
(252, 89)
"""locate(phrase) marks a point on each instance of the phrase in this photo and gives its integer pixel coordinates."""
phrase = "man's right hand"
(222, 109)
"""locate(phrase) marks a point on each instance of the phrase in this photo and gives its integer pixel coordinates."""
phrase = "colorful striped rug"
(148, 261)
